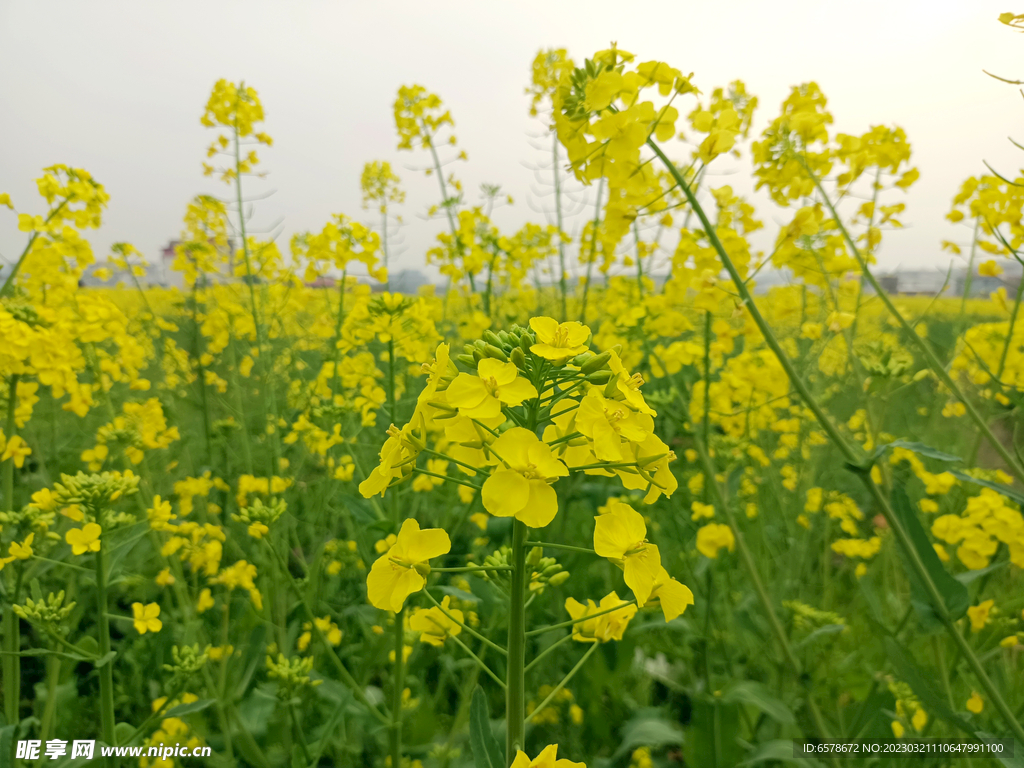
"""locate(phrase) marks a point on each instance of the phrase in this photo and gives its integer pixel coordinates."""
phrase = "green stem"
(593, 252)
(343, 673)
(11, 625)
(558, 218)
(549, 649)
(566, 547)
(469, 629)
(916, 564)
(9, 280)
(515, 693)
(395, 733)
(479, 662)
(565, 680)
(106, 672)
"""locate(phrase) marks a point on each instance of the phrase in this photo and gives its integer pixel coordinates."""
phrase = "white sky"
(118, 88)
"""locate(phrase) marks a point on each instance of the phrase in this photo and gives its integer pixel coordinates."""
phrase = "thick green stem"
(515, 694)
(395, 732)
(106, 672)
(558, 218)
(11, 625)
(593, 251)
(266, 387)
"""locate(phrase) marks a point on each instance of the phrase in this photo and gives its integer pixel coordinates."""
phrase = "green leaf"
(1017, 761)
(953, 593)
(487, 753)
(7, 745)
(967, 577)
(1005, 490)
(187, 709)
(123, 732)
(919, 448)
(908, 672)
(647, 731)
(757, 695)
(780, 750)
(828, 629)
(105, 659)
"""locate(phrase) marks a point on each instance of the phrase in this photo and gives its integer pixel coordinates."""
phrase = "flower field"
(590, 500)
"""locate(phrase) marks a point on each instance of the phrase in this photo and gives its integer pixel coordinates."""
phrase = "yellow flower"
(481, 397)
(607, 422)
(557, 341)
(22, 551)
(546, 759)
(258, 530)
(609, 626)
(401, 570)
(989, 269)
(621, 536)
(673, 596)
(522, 488)
(897, 729)
(713, 537)
(84, 539)
(205, 601)
(17, 449)
(165, 578)
(975, 704)
(919, 720)
(146, 617)
(433, 625)
(979, 614)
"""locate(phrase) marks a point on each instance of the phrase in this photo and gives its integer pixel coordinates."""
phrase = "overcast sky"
(118, 88)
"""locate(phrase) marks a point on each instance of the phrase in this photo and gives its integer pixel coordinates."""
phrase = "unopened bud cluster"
(544, 570)
(50, 612)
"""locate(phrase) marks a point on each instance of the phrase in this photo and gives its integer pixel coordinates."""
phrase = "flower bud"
(466, 360)
(478, 355)
(518, 358)
(534, 557)
(596, 363)
(550, 571)
(491, 338)
(559, 578)
(525, 342)
(504, 338)
(599, 377)
(492, 351)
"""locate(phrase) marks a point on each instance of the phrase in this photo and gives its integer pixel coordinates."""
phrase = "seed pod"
(596, 363)
(492, 351)
(423, 569)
